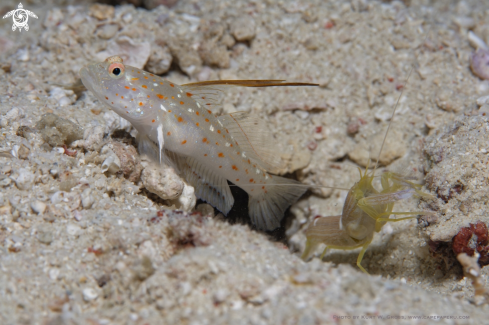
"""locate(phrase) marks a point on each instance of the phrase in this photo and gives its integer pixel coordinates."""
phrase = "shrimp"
(365, 212)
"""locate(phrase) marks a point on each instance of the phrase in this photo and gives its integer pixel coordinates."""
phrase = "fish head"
(118, 86)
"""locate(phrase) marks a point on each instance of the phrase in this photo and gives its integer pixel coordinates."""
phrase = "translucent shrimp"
(365, 212)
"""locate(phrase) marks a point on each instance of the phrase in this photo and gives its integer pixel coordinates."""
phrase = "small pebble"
(482, 100)
(89, 294)
(77, 215)
(243, 28)
(130, 164)
(107, 31)
(479, 63)
(23, 152)
(38, 207)
(87, 199)
(136, 53)
(162, 181)
(160, 60)
(25, 180)
(187, 200)
(205, 209)
(54, 273)
(63, 96)
(111, 164)
(101, 12)
(73, 230)
(45, 237)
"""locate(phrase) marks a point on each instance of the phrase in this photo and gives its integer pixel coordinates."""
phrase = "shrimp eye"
(116, 70)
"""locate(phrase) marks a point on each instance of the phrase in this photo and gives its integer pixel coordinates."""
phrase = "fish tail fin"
(266, 209)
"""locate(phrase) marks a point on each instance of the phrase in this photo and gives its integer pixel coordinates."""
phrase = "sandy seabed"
(84, 239)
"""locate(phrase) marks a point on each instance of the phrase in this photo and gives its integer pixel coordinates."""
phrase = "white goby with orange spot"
(175, 124)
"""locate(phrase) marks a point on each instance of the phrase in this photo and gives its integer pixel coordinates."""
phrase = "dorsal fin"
(210, 93)
(251, 134)
(248, 83)
(249, 131)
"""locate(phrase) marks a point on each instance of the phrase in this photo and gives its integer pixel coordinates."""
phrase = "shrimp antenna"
(395, 108)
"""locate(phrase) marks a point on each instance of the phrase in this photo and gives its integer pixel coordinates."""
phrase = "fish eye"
(116, 70)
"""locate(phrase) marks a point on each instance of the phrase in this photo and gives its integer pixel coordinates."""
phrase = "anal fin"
(208, 185)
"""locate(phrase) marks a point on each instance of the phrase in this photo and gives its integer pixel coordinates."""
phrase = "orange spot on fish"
(134, 89)
(263, 187)
(145, 77)
(220, 155)
(169, 111)
(122, 97)
(237, 179)
(135, 78)
(249, 162)
(220, 166)
(196, 112)
(246, 171)
(234, 167)
(161, 83)
(217, 143)
(197, 124)
(207, 120)
(171, 85)
(106, 97)
(219, 131)
(144, 86)
(112, 102)
(205, 155)
(180, 119)
(189, 95)
(204, 140)
(208, 104)
(152, 75)
(139, 72)
(184, 141)
(168, 133)
(153, 121)
(181, 103)
(251, 180)
(160, 96)
(203, 97)
(172, 97)
(209, 111)
(140, 103)
(148, 96)
(117, 94)
(127, 87)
